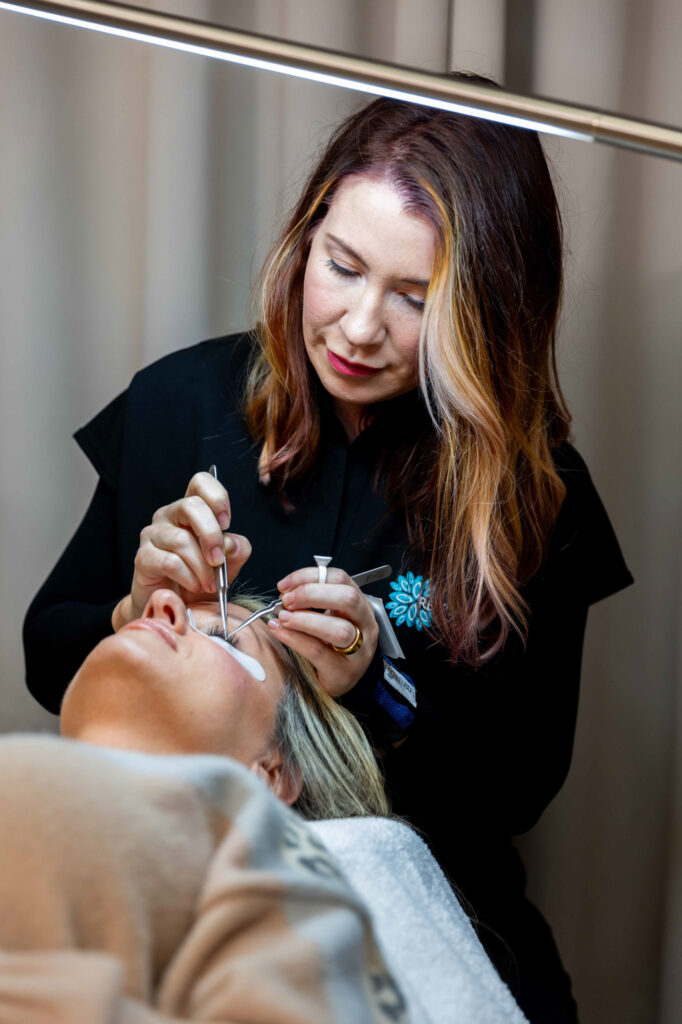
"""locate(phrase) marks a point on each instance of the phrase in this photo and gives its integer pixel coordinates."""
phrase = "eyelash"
(218, 631)
(416, 304)
(341, 271)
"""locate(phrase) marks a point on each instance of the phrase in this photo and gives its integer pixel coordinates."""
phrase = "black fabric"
(489, 747)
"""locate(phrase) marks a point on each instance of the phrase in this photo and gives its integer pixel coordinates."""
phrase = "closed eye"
(417, 304)
(341, 271)
(217, 630)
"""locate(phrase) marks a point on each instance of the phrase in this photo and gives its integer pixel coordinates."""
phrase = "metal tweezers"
(361, 579)
(221, 579)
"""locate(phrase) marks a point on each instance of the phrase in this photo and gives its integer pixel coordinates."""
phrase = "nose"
(169, 608)
(363, 323)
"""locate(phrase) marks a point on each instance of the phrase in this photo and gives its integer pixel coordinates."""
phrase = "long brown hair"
(476, 481)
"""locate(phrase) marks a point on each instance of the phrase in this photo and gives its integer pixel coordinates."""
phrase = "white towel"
(425, 936)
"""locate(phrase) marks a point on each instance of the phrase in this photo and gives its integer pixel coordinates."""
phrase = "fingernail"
(217, 555)
(288, 600)
(229, 546)
(283, 584)
(224, 521)
(285, 616)
(273, 623)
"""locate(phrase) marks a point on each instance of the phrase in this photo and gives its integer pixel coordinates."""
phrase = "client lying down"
(143, 887)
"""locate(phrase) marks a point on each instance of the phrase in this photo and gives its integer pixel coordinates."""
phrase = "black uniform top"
(486, 748)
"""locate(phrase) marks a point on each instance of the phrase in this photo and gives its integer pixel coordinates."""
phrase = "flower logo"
(410, 603)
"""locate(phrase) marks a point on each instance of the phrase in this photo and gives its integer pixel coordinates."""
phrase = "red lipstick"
(349, 369)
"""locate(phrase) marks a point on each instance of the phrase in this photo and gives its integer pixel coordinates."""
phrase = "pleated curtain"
(139, 190)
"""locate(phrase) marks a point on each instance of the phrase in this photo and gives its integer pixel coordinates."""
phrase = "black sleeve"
(72, 611)
(584, 550)
(102, 440)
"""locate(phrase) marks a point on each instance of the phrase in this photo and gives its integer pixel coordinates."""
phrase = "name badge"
(400, 682)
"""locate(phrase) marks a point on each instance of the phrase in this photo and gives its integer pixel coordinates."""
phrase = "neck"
(350, 417)
(118, 737)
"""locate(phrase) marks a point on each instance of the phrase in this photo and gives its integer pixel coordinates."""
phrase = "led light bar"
(377, 78)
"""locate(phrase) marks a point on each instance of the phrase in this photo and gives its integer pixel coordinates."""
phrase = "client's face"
(162, 687)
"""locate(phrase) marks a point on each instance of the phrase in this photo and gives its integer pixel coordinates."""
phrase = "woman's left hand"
(314, 634)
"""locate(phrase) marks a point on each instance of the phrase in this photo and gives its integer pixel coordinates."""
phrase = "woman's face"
(368, 270)
(159, 686)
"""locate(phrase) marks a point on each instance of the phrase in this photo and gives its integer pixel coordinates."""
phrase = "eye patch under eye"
(252, 666)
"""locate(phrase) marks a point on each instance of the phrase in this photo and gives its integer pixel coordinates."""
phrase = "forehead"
(360, 191)
(374, 206)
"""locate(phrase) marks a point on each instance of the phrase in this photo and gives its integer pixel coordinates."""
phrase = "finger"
(182, 542)
(156, 566)
(329, 629)
(237, 551)
(210, 490)
(344, 599)
(307, 646)
(194, 514)
(335, 673)
(311, 574)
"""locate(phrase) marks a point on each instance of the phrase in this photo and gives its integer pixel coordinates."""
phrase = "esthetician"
(396, 403)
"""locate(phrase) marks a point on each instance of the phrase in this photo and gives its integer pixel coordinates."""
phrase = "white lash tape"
(252, 666)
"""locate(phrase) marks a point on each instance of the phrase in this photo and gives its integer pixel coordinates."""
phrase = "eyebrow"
(356, 256)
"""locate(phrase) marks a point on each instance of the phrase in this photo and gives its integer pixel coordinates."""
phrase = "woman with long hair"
(396, 402)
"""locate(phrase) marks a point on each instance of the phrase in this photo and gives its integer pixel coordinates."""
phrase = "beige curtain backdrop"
(138, 192)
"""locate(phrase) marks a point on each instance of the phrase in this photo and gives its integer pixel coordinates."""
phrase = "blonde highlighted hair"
(324, 749)
(473, 473)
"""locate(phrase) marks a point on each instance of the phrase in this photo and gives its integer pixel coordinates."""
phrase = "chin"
(133, 654)
(115, 675)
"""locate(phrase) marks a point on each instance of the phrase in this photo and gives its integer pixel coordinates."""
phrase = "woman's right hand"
(181, 548)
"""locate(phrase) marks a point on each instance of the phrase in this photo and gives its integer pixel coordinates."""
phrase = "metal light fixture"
(377, 78)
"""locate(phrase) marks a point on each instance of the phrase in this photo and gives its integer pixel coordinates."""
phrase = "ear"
(284, 784)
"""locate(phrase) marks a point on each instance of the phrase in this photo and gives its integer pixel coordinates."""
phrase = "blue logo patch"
(410, 603)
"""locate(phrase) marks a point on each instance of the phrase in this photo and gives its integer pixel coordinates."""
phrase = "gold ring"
(357, 643)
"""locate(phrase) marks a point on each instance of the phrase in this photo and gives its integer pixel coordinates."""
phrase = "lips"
(349, 369)
(154, 626)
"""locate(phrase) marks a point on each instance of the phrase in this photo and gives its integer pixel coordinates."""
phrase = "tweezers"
(361, 579)
(221, 579)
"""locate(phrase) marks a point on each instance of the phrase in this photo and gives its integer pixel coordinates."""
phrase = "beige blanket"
(137, 889)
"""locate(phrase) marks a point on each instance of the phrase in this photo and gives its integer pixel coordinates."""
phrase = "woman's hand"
(314, 634)
(182, 546)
